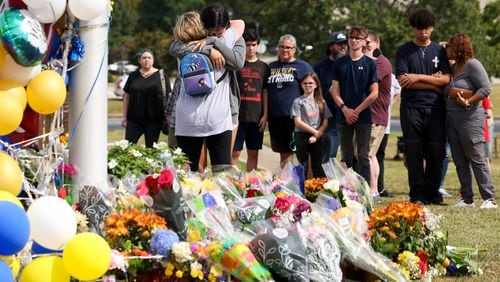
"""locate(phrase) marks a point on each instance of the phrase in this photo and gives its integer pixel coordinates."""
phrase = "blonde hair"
(189, 27)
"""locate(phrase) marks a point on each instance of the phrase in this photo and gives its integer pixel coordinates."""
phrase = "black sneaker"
(438, 203)
(385, 193)
(419, 202)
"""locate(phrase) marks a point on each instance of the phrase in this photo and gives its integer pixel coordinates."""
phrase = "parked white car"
(119, 84)
(122, 67)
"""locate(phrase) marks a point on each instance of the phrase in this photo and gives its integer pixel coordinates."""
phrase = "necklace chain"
(422, 50)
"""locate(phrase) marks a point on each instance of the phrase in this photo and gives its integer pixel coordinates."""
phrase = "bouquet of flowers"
(343, 224)
(313, 187)
(164, 189)
(408, 234)
(331, 196)
(183, 265)
(130, 231)
(212, 212)
(233, 257)
(353, 186)
(125, 157)
(288, 209)
(65, 180)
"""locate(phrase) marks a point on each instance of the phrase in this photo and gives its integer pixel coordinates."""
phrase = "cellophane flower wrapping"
(352, 185)
(282, 251)
(292, 176)
(168, 201)
(322, 251)
(234, 257)
(356, 249)
(211, 210)
(248, 210)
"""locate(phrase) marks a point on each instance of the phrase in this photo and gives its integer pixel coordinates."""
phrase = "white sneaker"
(463, 204)
(444, 193)
(489, 204)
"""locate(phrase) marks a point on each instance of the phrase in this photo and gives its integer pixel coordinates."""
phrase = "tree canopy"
(140, 23)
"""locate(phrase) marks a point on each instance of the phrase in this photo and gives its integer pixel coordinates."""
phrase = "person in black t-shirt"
(252, 80)
(422, 69)
(142, 101)
(336, 48)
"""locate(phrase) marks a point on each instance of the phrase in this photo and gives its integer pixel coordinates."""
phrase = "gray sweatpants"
(465, 131)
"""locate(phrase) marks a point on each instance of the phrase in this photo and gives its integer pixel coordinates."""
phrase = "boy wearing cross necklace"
(422, 69)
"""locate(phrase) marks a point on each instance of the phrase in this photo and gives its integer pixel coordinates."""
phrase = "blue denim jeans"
(331, 141)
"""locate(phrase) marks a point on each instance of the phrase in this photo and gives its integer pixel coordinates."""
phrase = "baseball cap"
(337, 37)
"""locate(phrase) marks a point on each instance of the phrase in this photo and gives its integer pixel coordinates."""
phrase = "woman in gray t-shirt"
(465, 121)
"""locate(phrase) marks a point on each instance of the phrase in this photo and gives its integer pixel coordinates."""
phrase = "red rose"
(166, 179)
(151, 182)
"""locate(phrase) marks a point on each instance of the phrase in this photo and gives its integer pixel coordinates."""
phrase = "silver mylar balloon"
(23, 37)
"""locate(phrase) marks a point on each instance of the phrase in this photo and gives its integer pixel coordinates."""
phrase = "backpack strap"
(163, 96)
(222, 77)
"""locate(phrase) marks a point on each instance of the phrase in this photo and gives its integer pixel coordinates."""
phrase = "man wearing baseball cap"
(335, 48)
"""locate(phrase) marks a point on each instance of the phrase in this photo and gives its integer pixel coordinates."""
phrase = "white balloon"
(36, 3)
(87, 10)
(12, 70)
(50, 12)
(52, 221)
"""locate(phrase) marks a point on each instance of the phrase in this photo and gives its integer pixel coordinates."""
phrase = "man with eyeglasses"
(283, 88)
(354, 88)
(335, 48)
(422, 70)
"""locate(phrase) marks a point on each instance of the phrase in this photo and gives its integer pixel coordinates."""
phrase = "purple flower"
(162, 241)
(333, 204)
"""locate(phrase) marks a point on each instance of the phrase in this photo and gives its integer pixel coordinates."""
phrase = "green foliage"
(150, 23)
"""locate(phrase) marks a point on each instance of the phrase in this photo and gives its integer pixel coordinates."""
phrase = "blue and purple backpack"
(197, 74)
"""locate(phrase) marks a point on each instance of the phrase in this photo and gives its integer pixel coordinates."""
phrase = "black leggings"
(219, 148)
(150, 129)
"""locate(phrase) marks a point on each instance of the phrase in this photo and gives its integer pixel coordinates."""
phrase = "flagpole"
(88, 118)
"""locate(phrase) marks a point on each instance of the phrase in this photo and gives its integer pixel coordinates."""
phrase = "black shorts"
(281, 133)
(248, 133)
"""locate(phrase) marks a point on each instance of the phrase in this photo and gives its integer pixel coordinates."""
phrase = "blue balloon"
(38, 249)
(23, 37)
(5, 273)
(14, 228)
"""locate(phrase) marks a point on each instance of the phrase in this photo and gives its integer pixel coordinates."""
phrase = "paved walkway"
(267, 159)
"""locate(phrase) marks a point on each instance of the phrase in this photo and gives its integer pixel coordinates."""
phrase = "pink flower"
(142, 189)
(166, 179)
(67, 169)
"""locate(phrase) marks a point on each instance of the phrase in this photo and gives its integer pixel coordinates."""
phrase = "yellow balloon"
(11, 176)
(6, 196)
(11, 114)
(14, 88)
(45, 269)
(14, 263)
(46, 92)
(87, 256)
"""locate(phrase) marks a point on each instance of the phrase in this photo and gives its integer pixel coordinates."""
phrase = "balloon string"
(87, 99)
